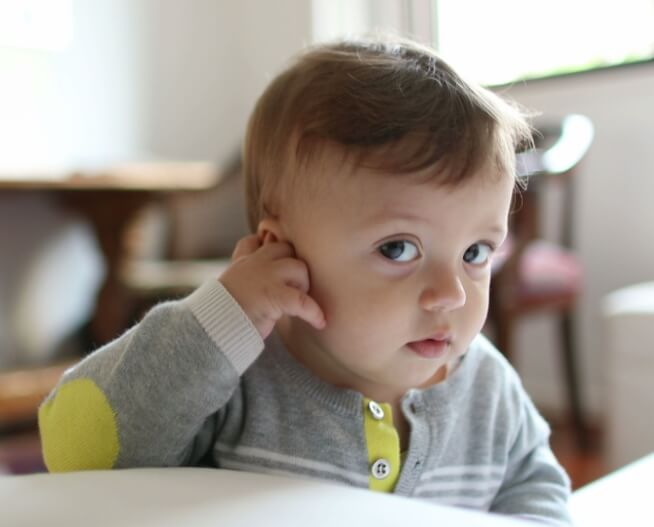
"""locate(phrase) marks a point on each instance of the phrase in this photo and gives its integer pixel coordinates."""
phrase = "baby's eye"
(478, 254)
(399, 251)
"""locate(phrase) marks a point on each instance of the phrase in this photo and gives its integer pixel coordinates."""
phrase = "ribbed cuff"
(226, 324)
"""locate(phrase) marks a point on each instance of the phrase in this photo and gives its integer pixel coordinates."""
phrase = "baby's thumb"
(297, 303)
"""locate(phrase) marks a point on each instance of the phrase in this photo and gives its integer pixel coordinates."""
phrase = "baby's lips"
(441, 335)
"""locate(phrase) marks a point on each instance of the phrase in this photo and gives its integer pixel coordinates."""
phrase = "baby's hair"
(390, 105)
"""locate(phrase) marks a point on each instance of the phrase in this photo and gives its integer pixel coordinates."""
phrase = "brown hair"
(393, 105)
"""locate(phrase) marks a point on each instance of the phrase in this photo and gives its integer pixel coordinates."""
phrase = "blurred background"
(121, 124)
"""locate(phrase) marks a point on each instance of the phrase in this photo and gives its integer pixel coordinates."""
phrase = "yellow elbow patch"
(78, 429)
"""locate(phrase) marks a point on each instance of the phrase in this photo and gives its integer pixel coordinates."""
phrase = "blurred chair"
(187, 240)
(535, 275)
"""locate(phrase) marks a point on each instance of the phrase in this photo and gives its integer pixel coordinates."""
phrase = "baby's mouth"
(431, 348)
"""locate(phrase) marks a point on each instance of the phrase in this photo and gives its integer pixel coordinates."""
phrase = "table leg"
(110, 215)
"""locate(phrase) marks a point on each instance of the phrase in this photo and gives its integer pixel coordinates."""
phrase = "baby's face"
(401, 270)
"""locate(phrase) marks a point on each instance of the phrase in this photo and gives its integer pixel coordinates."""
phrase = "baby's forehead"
(337, 172)
(383, 194)
(325, 161)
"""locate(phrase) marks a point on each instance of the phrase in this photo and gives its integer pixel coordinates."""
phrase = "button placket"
(382, 440)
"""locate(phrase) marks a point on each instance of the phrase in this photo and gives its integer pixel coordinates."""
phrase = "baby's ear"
(270, 230)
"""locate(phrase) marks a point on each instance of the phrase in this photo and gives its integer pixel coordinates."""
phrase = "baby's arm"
(152, 397)
(535, 485)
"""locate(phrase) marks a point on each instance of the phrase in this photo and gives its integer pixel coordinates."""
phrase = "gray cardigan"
(189, 385)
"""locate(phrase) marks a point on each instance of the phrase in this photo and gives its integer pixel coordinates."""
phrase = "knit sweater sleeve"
(535, 486)
(151, 397)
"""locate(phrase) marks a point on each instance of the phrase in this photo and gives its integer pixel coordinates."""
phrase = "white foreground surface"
(209, 497)
(623, 498)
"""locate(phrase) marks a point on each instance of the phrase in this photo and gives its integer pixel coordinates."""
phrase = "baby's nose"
(444, 292)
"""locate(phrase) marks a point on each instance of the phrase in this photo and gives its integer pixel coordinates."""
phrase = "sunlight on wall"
(28, 98)
(81, 103)
(31, 33)
(37, 24)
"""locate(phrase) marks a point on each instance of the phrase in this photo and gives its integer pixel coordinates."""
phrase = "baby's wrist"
(250, 307)
(226, 323)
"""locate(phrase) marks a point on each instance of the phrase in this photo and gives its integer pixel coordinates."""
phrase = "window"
(502, 41)
(507, 40)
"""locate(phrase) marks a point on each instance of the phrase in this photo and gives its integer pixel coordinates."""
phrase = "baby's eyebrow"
(501, 229)
(498, 229)
(390, 215)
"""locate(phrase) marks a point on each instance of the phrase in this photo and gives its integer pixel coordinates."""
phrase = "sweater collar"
(439, 398)
(340, 400)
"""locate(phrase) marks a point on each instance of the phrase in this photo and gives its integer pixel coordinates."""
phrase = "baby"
(343, 342)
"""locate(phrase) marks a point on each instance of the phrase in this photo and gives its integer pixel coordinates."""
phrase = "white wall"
(205, 62)
(615, 213)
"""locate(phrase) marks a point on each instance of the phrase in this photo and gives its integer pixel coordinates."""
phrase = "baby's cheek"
(349, 296)
(476, 311)
(331, 290)
(345, 315)
(324, 297)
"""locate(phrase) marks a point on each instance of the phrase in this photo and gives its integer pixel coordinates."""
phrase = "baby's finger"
(277, 250)
(298, 304)
(246, 246)
(294, 273)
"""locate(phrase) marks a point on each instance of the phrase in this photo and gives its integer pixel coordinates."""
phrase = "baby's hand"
(268, 281)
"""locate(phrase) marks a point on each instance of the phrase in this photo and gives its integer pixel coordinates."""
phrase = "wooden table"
(21, 391)
(109, 198)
